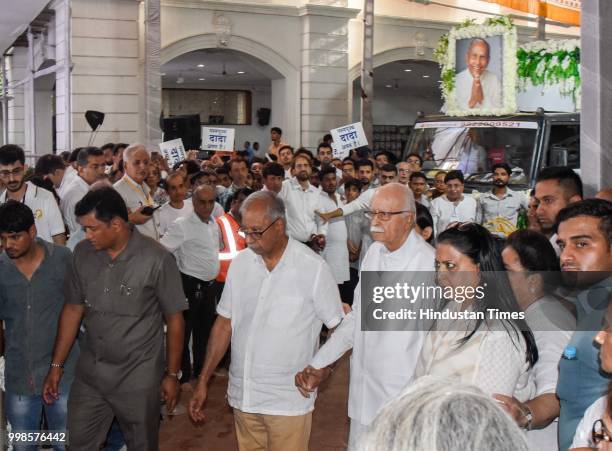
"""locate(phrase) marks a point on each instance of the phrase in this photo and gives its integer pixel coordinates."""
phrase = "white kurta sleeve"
(361, 203)
(174, 237)
(340, 342)
(326, 298)
(54, 217)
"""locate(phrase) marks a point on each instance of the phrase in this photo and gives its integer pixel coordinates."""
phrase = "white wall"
(43, 104)
(398, 106)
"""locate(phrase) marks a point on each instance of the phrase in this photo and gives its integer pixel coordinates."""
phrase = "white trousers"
(356, 431)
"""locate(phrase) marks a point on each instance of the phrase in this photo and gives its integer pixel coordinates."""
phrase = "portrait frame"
(500, 30)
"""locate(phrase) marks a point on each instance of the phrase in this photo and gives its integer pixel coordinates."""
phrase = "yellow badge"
(38, 214)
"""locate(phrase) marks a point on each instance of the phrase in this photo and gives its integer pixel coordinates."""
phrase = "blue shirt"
(582, 381)
(31, 311)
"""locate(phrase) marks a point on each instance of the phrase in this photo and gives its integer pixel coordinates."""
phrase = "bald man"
(476, 87)
(135, 191)
(382, 362)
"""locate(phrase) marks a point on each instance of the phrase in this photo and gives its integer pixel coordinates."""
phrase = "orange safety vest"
(233, 242)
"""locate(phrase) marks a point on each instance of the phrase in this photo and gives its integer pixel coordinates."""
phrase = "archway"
(274, 74)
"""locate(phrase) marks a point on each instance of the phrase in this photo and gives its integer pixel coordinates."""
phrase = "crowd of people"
(120, 274)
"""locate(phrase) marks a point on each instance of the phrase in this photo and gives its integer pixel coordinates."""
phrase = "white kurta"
(336, 251)
(444, 212)
(300, 207)
(382, 362)
(135, 197)
(74, 193)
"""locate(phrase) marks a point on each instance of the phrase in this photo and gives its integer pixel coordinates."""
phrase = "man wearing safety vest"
(233, 241)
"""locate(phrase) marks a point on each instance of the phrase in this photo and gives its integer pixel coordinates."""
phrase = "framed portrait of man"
(483, 63)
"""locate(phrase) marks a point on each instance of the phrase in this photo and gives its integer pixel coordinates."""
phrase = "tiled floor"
(329, 429)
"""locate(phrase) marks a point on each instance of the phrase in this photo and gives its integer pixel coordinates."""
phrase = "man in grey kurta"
(124, 285)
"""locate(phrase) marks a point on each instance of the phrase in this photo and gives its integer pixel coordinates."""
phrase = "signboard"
(218, 138)
(173, 151)
(347, 138)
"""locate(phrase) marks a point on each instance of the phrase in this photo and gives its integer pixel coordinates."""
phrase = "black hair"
(329, 169)
(190, 165)
(328, 137)
(10, 154)
(423, 219)
(415, 155)
(388, 167)
(277, 130)
(390, 156)
(105, 202)
(15, 217)
(74, 154)
(418, 175)
(48, 164)
(303, 151)
(364, 162)
(85, 153)
(477, 243)
(352, 183)
(566, 177)
(107, 146)
(348, 160)
(258, 160)
(222, 170)
(45, 183)
(454, 175)
(119, 147)
(246, 192)
(286, 146)
(323, 145)
(595, 208)
(504, 166)
(65, 156)
(273, 168)
(237, 161)
(198, 175)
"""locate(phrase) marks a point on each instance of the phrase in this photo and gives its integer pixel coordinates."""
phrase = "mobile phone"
(148, 210)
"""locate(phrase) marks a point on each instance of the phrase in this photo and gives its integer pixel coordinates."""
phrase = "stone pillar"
(152, 77)
(596, 133)
(63, 109)
(17, 65)
(324, 71)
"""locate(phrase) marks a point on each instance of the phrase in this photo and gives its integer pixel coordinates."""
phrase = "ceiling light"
(425, 76)
(202, 79)
(240, 72)
(388, 86)
(407, 70)
(163, 74)
(200, 65)
(180, 80)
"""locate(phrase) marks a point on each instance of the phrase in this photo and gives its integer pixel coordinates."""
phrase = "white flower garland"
(509, 68)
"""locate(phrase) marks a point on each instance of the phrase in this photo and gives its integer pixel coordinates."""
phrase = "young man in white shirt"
(285, 157)
(90, 167)
(178, 207)
(277, 296)
(47, 215)
(135, 191)
(418, 185)
(195, 241)
(383, 361)
(453, 206)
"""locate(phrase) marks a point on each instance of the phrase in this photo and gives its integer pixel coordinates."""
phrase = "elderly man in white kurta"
(278, 294)
(382, 362)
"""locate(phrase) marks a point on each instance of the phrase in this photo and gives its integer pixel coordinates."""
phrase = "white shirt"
(168, 214)
(424, 201)
(491, 90)
(382, 362)
(218, 211)
(336, 251)
(136, 196)
(195, 245)
(552, 326)
(445, 212)
(582, 437)
(73, 193)
(276, 320)
(300, 206)
(69, 175)
(491, 207)
(47, 215)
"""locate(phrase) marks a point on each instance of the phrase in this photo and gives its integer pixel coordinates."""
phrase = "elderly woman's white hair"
(440, 415)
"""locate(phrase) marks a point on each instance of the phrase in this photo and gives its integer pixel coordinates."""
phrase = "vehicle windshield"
(475, 146)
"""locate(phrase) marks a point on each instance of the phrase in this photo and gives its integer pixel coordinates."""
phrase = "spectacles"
(15, 172)
(383, 215)
(600, 433)
(256, 235)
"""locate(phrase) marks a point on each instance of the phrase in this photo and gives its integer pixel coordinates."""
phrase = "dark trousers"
(347, 289)
(199, 319)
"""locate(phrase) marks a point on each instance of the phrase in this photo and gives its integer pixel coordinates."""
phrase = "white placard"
(218, 138)
(173, 151)
(347, 138)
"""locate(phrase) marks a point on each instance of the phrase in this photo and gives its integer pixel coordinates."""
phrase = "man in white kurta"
(382, 362)
(278, 294)
(475, 86)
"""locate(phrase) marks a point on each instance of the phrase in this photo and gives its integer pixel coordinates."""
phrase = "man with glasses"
(382, 362)
(278, 294)
(415, 162)
(403, 172)
(47, 215)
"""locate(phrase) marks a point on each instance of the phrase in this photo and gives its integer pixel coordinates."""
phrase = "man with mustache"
(476, 87)
(135, 191)
(382, 362)
(47, 215)
(585, 239)
(301, 201)
(501, 203)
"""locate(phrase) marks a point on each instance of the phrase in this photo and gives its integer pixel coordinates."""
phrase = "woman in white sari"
(482, 348)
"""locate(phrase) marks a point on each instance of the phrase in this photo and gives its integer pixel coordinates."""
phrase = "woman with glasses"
(480, 338)
(533, 270)
(595, 428)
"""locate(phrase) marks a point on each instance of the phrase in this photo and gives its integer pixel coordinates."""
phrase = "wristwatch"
(528, 416)
(176, 375)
